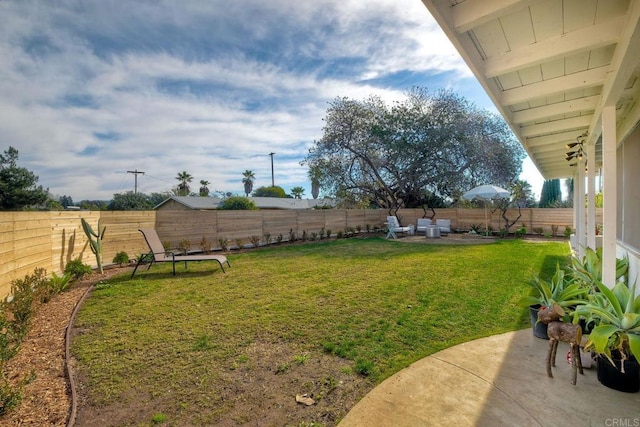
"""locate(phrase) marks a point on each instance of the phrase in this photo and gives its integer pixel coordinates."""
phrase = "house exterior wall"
(628, 212)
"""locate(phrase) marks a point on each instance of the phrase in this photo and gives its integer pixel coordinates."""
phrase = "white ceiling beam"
(548, 148)
(556, 138)
(623, 63)
(470, 14)
(574, 106)
(584, 39)
(581, 80)
(557, 126)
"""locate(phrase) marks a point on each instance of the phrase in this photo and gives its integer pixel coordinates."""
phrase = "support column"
(579, 201)
(609, 191)
(591, 196)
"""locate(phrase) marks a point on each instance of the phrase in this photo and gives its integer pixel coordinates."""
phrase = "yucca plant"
(617, 314)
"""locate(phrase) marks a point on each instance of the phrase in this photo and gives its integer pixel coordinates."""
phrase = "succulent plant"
(95, 240)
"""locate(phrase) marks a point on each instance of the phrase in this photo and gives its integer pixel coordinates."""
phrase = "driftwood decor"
(565, 332)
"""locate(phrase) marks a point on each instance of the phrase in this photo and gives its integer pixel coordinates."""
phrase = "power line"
(136, 173)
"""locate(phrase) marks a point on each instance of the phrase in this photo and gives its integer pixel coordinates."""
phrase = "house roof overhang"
(550, 67)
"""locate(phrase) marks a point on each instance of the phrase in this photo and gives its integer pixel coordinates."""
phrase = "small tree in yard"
(18, 188)
(503, 205)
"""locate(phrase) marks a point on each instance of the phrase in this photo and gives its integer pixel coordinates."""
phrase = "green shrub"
(121, 258)
(23, 293)
(77, 268)
(275, 191)
(224, 243)
(568, 231)
(60, 283)
(238, 203)
(11, 396)
(184, 245)
(255, 241)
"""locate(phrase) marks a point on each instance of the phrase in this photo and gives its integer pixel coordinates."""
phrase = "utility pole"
(272, 181)
(135, 173)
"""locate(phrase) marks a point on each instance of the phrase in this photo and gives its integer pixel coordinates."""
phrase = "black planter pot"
(612, 376)
(539, 328)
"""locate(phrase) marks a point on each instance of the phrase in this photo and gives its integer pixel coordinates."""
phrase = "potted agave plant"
(616, 336)
(562, 290)
(587, 271)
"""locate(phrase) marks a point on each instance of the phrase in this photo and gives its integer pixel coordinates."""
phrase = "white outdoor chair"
(445, 225)
(422, 225)
(393, 227)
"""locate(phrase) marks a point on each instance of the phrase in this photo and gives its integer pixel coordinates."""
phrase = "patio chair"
(445, 225)
(159, 254)
(393, 227)
(422, 225)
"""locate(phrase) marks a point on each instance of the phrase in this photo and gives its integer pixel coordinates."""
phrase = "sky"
(91, 91)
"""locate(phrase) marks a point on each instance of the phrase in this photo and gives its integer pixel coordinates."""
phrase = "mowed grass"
(379, 304)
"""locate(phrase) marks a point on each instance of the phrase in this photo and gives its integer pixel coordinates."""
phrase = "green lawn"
(377, 305)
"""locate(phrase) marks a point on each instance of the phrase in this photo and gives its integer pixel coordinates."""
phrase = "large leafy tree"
(183, 187)
(247, 179)
(65, 201)
(427, 147)
(18, 188)
(130, 201)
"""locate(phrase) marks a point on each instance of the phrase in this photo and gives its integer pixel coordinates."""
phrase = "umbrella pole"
(486, 222)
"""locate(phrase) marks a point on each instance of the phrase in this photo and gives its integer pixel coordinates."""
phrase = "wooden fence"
(49, 240)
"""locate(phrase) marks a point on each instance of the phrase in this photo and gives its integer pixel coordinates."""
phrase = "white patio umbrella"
(485, 193)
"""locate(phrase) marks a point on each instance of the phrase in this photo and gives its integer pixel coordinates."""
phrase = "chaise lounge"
(159, 254)
(393, 227)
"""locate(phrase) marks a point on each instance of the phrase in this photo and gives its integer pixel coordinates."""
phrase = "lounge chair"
(422, 225)
(445, 225)
(393, 227)
(159, 254)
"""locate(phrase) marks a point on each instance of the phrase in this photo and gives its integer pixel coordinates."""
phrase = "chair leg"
(140, 261)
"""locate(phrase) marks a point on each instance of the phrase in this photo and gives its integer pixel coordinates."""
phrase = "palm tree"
(522, 193)
(297, 192)
(204, 190)
(248, 181)
(185, 178)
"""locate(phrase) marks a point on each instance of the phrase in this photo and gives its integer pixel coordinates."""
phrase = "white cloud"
(91, 90)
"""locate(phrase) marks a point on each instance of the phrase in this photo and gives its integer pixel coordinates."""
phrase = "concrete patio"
(494, 381)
